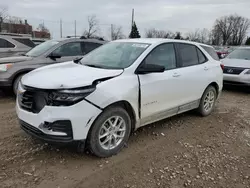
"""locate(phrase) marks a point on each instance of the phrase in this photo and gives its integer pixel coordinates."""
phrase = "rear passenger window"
(6, 44)
(24, 41)
(211, 52)
(89, 46)
(188, 55)
(201, 56)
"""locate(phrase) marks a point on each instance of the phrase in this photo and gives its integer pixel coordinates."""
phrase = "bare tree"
(3, 12)
(240, 27)
(224, 26)
(43, 28)
(116, 32)
(202, 36)
(232, 29)
(194, 36)
(154, 33)
(13, 20)
(92, 27)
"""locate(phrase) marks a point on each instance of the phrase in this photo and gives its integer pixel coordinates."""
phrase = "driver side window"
(163, 55)
(69, 49)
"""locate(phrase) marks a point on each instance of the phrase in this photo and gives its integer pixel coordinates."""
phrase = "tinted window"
(6, 44)
(163, 55)
(240, 54)
(89, 46)
(26, 42)
(201, 56)
(69, 49)
(42, 48)
(188, 55)
(211, 52)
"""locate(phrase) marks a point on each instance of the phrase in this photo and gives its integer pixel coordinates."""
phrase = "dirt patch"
(183, 151)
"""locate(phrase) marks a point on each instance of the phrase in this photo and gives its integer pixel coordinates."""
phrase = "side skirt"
(169, 113)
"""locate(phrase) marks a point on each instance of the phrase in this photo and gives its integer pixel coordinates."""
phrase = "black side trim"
(93, 104)
(139, 97)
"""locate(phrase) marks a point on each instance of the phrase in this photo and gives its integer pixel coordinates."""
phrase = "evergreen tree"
(248, 41)
(134, 32)
(178, 35)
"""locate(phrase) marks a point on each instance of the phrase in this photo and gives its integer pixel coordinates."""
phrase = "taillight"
(222, 66)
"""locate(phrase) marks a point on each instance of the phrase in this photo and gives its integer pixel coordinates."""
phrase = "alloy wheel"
(112, 132)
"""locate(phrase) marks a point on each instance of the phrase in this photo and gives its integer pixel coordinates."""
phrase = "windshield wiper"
(95, 66)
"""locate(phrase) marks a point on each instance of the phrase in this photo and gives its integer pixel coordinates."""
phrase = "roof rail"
(97, 38)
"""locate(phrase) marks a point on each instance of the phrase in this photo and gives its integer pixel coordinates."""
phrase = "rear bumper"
(243, 80)
(236, 83)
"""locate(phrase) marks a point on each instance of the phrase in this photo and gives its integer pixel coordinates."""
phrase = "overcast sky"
(173, 15)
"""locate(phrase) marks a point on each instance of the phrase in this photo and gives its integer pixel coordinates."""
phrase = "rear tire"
(207, 101)
(110, 132)
(15, 83)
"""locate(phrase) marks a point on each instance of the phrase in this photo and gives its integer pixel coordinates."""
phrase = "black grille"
(33, 100)
(233, 70)
(65, 127)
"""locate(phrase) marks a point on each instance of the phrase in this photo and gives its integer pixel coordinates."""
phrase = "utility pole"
(133, 12)
(112, 31)
(75, 28)
(61, 28)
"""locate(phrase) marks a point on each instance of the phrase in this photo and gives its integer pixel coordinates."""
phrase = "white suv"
(117, 88)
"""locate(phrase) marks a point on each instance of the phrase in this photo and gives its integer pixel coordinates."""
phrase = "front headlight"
(5, 67)
(248, 72)
(67, 97)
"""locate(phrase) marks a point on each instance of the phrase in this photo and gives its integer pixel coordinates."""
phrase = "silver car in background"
(14, 45)
(237, 67)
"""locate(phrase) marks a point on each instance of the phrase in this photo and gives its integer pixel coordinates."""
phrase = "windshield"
(41, 48)
(114, 55)
(240, 54)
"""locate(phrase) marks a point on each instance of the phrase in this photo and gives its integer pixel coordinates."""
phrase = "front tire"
(110, 132)
(207, 101)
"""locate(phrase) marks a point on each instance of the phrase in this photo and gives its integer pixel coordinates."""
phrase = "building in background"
(17, 27)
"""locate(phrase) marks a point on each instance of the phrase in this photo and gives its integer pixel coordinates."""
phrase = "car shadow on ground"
(238, 89)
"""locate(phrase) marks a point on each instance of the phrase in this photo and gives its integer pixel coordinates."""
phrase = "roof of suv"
(159, 40)
(82, 40)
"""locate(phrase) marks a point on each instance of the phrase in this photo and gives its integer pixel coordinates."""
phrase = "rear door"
(194, 72)
(89, 46)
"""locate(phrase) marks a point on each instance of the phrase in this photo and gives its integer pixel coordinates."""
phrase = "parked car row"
(237, 67)
(50, 52)
(14, 45)
(96, 94)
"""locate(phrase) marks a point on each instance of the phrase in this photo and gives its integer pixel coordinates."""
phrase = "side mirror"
(54, 56)
(150, 68)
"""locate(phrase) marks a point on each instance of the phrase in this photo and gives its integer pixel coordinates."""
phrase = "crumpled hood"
(236, 63)
(66, 75)
(14, 59)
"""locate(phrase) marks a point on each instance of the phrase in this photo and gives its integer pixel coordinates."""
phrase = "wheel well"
(18, 74)
(127, 106)
(216, 86)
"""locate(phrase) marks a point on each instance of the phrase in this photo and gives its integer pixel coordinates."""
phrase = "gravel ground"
(183, 151)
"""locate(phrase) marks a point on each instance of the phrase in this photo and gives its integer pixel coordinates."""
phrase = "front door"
(68, 52)
(160, 92)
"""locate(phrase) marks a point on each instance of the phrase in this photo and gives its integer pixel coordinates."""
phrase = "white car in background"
(237, 67)
(117, 88)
